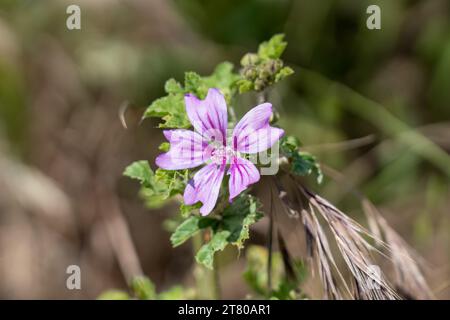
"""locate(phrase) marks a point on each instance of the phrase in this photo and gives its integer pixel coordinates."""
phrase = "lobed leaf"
(272, 49)
(301, 163)
(171, 108)
(238, 217)
(140, 170)
(235, 223)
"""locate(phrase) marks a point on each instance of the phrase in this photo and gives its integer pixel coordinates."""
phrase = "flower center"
(222, 155)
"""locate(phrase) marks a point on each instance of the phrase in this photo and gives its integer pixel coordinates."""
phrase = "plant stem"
(203, 277)
(217, 287)
(207, 281)
(269, 257)
(270, 244)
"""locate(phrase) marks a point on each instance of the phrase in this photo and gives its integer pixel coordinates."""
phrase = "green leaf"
(172, 111)
(245, 85)
(304, 164)
(173, 86)
(114, 295)
(223, 78)
(140, 170)
(165, 146)
(289, 145)
(186, 210)
(218, 242)
(143, 288)
(238, 217)
(171, 182)
(190, 227)
(231, 228)
(193, 83)
(176, 293)
(272, 49)
(159, 186)
(283, 73)
(171, 108)
(185, 231)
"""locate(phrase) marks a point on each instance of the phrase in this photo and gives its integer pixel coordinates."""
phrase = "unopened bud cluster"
(260, 74)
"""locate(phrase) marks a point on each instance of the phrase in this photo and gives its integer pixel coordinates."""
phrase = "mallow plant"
(210, 163)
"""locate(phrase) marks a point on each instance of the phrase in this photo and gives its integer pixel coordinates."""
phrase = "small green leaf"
(159, 186)
(171, 182)
(283, 73)
(192, 82)
(141, 171)
(235, 222)
(171, 108)
(114, 295)
(176, 293)
(172, 111)
(185, 231)
(304, 164)
(272, 49)
(165, 146)
(143, 288)
(173, 86)
(289, 145)
(186, 210)
(190, 227)
(223, 78)
(218, 242)
(244, 85)
(238, 217)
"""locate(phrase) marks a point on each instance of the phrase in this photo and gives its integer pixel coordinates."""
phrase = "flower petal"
(205, 187)
(188, 149)
(260, 140)
(253, 133)
(209, 116)
(242, 174)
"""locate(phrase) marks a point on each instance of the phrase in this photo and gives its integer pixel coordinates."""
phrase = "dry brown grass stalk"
(353, 242)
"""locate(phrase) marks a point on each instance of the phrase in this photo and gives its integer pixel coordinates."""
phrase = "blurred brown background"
(63, 148)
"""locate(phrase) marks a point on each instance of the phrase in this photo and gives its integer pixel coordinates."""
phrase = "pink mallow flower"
(209, 144)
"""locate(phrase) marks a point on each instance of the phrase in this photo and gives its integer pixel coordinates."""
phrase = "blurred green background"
(372, 104)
